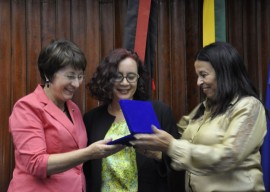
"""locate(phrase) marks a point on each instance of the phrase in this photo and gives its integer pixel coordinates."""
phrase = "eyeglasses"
(130, 77)
(74, 77)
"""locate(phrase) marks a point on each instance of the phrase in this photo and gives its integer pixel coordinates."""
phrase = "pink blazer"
(39, 128)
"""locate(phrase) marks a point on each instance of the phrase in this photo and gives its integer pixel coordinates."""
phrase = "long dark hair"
(231, 76)
(101, 84)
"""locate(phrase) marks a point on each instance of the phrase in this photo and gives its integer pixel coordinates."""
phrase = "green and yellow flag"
(214, 21)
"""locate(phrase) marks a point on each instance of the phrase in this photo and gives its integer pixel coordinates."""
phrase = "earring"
(47, 83)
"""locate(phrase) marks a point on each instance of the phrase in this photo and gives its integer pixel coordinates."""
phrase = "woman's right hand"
(158, 141)
(101, 149)
(60, 162)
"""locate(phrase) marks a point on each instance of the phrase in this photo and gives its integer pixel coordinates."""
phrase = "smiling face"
(124, 89)
(64, 84)
(206, 78)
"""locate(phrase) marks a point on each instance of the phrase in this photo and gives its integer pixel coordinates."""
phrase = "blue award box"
(139, 116)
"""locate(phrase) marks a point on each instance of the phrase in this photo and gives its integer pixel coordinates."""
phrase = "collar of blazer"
(57, 114)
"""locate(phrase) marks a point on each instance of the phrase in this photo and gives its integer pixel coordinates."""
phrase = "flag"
(134, 38)
(266, 143)
(130, 24)
(214, 21)
(141, 30)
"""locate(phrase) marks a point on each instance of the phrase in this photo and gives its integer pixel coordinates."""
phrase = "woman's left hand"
(158, 141)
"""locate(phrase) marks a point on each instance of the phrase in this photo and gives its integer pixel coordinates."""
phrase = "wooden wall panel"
(97, 26)
(92, 46)
(33, 43)
(78, 34)
(48, 21)
(63, 18)
(193, 33)
(263, 17)
(178, 57)
(107, 27)
(18, 43)
(234, 30)
(6, 152)
(250, 31)
(120, 7)
(163, 80)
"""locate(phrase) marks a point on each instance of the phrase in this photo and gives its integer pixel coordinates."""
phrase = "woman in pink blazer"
(47, 128)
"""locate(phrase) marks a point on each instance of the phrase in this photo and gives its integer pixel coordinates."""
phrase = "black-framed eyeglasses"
(130, 77)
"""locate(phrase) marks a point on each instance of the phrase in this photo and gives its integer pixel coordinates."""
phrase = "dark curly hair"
(101, 84)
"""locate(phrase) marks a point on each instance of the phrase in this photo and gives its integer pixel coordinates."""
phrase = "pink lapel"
(57, 114)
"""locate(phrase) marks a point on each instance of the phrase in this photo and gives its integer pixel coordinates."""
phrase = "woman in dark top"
(121, 75)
